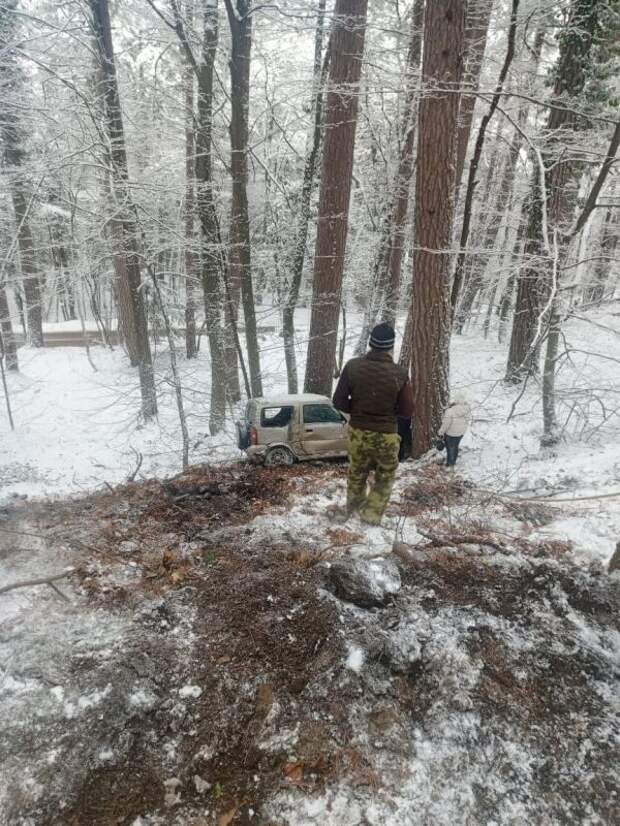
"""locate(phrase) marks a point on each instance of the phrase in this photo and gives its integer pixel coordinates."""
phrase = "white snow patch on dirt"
(356, 658)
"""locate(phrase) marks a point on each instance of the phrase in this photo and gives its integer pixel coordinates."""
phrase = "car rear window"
(276, 416)
(321, 414)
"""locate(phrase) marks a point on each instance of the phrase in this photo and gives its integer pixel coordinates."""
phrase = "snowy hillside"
(77, 429)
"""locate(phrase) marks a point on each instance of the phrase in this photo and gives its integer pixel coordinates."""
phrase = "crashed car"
(281, 430)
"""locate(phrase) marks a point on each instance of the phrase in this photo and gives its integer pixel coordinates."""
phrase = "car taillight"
(253, 436)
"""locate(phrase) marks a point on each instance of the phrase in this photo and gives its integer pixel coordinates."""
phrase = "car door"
(323, 430)
(274, 424)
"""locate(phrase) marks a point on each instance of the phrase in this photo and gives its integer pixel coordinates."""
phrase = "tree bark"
(597, 288)
(211, 248)
(553, 192)
(6, 331)
(347, 49)
(473, 166)
(299, 246)
(125, 230)
(27, 257)
(13, 136)
(434, 210)
(240, 269)
(191, 260)
(550, 432)
(388, 263)
(224, 364)
(476, 33)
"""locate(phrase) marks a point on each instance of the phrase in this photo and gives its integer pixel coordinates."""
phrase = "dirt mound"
(207, 675)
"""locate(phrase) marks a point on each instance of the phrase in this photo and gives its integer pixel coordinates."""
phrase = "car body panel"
(306, 423)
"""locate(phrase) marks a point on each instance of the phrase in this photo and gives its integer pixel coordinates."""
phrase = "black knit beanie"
(382, 337)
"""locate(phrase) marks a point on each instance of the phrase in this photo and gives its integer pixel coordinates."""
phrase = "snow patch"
(355, 658)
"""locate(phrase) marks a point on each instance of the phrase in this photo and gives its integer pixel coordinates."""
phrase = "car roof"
(290, 399)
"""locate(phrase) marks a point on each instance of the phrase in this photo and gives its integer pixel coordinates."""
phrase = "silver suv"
(280, 430)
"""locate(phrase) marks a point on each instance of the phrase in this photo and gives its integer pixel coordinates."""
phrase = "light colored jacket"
(457, 417)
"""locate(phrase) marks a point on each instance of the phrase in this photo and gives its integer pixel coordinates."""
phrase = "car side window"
(321, 414)
(276, 416)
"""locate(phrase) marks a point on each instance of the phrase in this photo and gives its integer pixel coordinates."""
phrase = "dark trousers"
(452, 449)
(406, 439)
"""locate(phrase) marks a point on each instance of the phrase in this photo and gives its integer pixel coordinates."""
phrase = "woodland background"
(234, 178)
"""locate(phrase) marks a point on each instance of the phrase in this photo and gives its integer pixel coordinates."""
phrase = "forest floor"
(226, 654)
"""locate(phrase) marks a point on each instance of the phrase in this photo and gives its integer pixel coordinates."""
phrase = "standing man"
(375, 392)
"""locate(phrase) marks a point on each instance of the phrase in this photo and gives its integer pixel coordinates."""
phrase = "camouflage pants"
(369, 451)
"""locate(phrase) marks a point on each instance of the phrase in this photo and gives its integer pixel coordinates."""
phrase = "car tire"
(278, 456)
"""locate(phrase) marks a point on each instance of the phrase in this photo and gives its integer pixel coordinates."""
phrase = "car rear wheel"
(279, 455)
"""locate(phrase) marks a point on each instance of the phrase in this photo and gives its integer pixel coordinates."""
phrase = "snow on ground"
(482, 694)
(77, 429)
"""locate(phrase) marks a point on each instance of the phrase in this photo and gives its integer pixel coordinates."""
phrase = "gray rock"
(128, 547)
(368, 583)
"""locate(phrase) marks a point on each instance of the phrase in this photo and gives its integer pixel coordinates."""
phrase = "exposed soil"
(230, 685)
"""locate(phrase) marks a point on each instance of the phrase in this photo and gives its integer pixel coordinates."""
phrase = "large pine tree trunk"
(347, 49)
(125, 229)
(240, 20)
(301, 237)
(554, 193)
(434, 209)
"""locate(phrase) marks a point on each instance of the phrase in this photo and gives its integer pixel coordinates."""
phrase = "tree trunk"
(13, 137)
(597, 288)
(125, 230)
(347, 49)
(388, 264)
(27, 257)
(61, 258)
(301, 238)
(553, 193)
(476, 33)
(473, 166)
(211, 248)
(434, 209)
(223, 343)
(191, 262)
(505, 190)
(6, 331)
(404, 357)
(240, 20)
(551, 435)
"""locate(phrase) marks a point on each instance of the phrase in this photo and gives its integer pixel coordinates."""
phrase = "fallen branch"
(46, 580)
(139, 459)
(455, 541)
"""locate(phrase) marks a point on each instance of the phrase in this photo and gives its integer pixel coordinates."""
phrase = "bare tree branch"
(28, 583)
